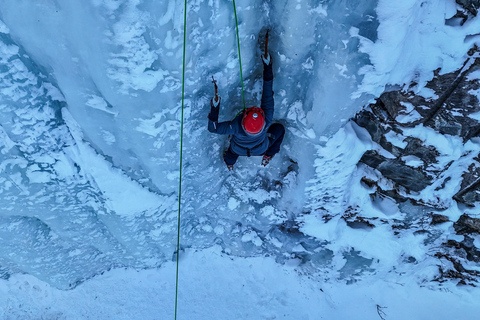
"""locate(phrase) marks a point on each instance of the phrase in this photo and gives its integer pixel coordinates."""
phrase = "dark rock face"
(416, 163)
(469, 189)
(467, 225)
(439, 218)
(447, 111)
(392, 102)
(357, 222)
(469, 250)
(409, 165)
(458, 254)
(470, 5)
(449, 114)
(408, 177)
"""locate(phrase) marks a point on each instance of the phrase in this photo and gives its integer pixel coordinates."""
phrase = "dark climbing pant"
(275, 133)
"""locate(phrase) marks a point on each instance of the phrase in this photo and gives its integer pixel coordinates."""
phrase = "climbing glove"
(214, 103)
(266, 60)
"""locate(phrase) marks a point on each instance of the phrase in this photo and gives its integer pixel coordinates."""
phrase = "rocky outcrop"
(470, 5)
(466, 247)
(410, 165)
(469, 189)
(438, 219)
(457, 255)
(452, 108)
(395, 169)
(467, 225)
(467, 9)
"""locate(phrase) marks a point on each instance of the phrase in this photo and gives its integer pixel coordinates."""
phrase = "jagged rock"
(360, 223)
(471, 252)
(469, 192)
(458, 271)
(391, 101)
(439, 218)
(467, 225)
(394, 194)
(470, 5)
(368, 182)
(357, 222)
(447, 124)
(394, 169)
(373, 124)
(415, 147)
(469, 197)
(377, 129)
(449, 114)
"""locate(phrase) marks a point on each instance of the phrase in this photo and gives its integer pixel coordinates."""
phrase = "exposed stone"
(470, 195)
(439, 218)
(394, 169)
(469, 192)
(372, 123)
(377, 129)
(368, 182)
(470, 5)
(360, 223)
(415, 147)
(357, 222)
(465, 276)
(449, 113)
(391, 101)
(394, 194)
(447, 108)
(467, 225)
(471, 252)
(446, 124)
(422, 231)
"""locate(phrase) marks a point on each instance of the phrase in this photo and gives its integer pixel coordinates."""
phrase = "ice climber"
(252, 132)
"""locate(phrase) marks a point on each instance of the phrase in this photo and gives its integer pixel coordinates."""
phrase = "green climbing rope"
(239, 56)
(181, 136)
(181, 157)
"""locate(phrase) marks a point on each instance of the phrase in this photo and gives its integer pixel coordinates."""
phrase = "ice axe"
(266, 43)
(216, 88)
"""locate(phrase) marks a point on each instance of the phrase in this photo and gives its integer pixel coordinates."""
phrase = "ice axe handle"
(266, 44)
(216, 88)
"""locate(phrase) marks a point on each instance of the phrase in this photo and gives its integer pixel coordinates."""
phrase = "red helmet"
(253, 120)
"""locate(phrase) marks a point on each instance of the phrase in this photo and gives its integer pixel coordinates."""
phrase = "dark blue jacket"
(243, 143)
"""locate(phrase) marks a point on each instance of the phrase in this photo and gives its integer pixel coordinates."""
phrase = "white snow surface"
(90, 101)
(216, 286)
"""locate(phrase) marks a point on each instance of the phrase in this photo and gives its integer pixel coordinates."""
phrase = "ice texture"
(90, 101)
(90, 124)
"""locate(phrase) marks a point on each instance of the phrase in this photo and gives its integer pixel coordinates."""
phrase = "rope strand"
(181, 136)
(239, 56)
(181, 157)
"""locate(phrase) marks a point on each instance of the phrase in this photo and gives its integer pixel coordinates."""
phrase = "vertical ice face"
(48, 219)
(321, 58)
(90, 125)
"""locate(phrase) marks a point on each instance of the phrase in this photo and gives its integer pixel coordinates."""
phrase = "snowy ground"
(89, 139)
(217, 286)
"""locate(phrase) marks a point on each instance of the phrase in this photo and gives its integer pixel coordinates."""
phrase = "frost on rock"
(412, 174)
